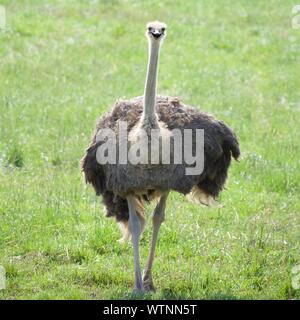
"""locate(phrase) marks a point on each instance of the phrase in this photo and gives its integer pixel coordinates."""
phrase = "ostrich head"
(156, 31)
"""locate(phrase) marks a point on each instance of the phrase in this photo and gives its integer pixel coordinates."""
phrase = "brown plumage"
(220, 144)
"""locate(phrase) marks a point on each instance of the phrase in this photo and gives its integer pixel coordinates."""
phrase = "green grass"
(64, 63)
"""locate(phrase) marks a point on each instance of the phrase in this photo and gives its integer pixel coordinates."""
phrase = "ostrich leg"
(135, 229)
(157, 219)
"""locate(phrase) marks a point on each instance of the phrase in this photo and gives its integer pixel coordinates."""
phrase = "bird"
(126, 187)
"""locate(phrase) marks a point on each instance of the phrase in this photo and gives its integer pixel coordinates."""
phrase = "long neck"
(150, 86)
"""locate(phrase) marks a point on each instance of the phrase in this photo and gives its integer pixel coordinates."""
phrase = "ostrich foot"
(138, 287)
(138, 291)
(148, 284)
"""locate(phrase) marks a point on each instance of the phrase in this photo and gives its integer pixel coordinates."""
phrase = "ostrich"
(125, 188)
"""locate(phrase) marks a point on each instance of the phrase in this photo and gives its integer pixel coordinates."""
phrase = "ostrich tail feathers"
(198, 196)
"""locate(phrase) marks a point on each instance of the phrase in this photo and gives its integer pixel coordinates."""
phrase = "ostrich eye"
(149, 29)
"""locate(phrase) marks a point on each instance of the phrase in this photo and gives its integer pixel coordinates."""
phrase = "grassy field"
(64, 63)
